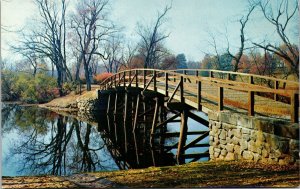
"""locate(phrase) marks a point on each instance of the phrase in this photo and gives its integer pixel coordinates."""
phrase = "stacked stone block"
(239, 137)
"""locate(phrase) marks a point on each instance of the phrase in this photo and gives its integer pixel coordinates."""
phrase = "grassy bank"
(204, 174)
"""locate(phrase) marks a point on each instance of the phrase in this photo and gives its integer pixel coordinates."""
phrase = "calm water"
(37, 141)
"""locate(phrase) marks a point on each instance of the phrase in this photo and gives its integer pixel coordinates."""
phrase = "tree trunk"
(87, 77)
(59, 82)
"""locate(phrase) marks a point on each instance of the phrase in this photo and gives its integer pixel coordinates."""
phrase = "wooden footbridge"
(155, 93)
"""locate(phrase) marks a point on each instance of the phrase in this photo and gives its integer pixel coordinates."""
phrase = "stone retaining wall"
(239, 137)
(88, 102)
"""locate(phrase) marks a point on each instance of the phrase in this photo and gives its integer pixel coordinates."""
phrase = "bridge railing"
(176, 84)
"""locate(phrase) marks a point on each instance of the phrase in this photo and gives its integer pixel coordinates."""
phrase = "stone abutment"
(236, 136)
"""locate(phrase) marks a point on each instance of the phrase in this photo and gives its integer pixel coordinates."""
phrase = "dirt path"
(205, 174)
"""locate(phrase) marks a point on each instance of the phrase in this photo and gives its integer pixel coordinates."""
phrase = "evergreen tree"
(181, 61)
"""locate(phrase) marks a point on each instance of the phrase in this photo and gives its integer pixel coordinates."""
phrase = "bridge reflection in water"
(139, 150)
(140, 131)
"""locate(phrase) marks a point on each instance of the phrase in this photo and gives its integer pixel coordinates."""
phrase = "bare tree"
(34, 59)
(151, 39)
(47, 40)
(113, 49)
(281, 19)
(237, 57)
(128, 55)
(92, 27)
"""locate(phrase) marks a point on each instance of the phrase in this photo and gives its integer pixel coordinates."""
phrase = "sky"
(191, 23)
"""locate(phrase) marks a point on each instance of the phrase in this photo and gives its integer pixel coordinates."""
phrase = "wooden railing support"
(228, 76)
(251, 103)
(197, 74)
(251, 80)
(276, 86)
(211, 74)
(221, 99)
(148, 84)
(154, 80)
(129, 78)
(144, 78)
(199, 96)
(295, 108)
(124, 82)
(166, 84)
(175, 90)
(136, 78)
(181, 90)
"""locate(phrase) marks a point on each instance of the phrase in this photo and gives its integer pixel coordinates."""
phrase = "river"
(37, 141)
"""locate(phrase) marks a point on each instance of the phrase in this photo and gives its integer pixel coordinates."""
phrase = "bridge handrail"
(209, 70)
(239, 73)
(250, 87)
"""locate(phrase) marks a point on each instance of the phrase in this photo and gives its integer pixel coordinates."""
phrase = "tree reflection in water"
(53, 144)
(49, 143)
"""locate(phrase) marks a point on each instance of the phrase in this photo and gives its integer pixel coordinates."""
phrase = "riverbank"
(197, 174)
(73, 102)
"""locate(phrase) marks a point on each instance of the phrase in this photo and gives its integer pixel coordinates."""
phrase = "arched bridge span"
(142, 92)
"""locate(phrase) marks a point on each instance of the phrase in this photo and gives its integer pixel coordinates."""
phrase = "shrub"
(68, 87)
(34, 89)
(101, 77)
(8, 79)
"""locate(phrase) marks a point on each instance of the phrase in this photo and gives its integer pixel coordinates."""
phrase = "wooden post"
(250, 103)
(182, 137)
(136, 149)
(166, 84)
(221, 99)
(174, 79)
(228, 76)
(108, 104)
(129, 78)
(184, 72)
(154, 119)
(211, 74)
(115, 81)
(116, 104)
(125, 120)
(154, 80)
(119, 83)
(124, 79)
(199, 108)
(197, 74)
(136, 78)
(144, 77)
(295, 108)
(136, 112)
(276, 86)
(181, 90)
(251, 80)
